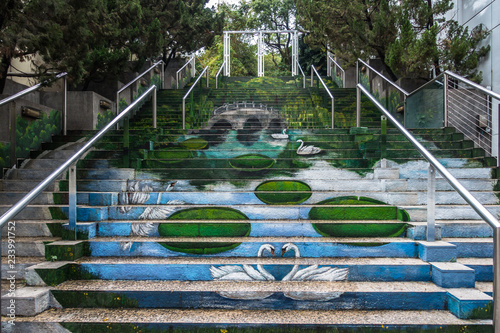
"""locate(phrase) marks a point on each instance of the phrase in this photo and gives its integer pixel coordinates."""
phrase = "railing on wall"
(217, 75)
(303, 75)
(336, 72)
(469, 108)
(70, 165)
(314, 71)
(447, 100)
(130, 86)
(12, 111)
(436, 166)
(186, 72)
(191, 93)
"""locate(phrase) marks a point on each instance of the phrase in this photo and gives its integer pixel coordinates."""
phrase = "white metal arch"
(260, 48)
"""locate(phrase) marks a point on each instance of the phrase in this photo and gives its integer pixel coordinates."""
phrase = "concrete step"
(224, 320)
(28, 246)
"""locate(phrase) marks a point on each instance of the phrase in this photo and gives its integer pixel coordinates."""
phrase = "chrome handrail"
(341, 69)
(217, 75)
(187, 94)
(383, 77)
(177, 73)
(135, 80)
(303, 75)
(473, 84)
(15, 209)
(313, 70)
(12, 98)
(30, 89)
(464, 193)
(426, 84)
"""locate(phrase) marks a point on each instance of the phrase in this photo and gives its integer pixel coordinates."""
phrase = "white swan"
(312, 273)
(280, 136)
(244, 273)
(307, 150)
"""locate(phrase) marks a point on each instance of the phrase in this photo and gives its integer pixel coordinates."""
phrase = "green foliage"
(402, 34)
(29, 136)
(104, 118)
(461, 53)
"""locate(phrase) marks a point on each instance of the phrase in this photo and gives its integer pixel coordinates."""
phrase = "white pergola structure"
(260, 48)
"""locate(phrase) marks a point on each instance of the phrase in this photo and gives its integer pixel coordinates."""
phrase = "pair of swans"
(248, 273)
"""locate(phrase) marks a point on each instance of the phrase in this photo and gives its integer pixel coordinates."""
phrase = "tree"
(404, 34)
(94, 40)
(273, 15)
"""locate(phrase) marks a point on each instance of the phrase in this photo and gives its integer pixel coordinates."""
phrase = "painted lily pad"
(194, 144)
(283, 192)
(204, 229)
(346, 210)
(251, 162)
(167, 157)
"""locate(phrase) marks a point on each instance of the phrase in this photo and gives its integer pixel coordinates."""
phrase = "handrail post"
(184, 113)
(65, 105)
(445, 100)
(333, 113)
(312, 76)
(154, 108)
(12, 113)
(208, 77)
(496, 279)
(72, 198)
(358, 106)
(162, 76)
(431, 204)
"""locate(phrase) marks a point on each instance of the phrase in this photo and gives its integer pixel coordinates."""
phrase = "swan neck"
(301, 144)
(295, 268)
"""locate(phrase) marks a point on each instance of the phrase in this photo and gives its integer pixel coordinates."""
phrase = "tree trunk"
(4, 69)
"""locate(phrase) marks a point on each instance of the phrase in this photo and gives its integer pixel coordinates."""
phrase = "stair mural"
(190, 227)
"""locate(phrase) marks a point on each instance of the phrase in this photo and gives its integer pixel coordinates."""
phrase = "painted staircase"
(223, 228)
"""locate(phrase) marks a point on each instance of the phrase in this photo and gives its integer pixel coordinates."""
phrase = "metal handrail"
(177, 73)
(15, 209)
(135, 80)
(217, 75)
(313, 70)
(383, 77)
(303, 75)
(464, 193)
(187, 94)
(426, 84)
(473, 84)
(30, 89)
(12, 98)
(341, 69)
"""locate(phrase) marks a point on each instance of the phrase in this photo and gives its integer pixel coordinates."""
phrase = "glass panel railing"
(386, 93)
(425, 107)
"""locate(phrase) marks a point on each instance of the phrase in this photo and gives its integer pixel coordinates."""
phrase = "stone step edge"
(231, 318)
(276, 286)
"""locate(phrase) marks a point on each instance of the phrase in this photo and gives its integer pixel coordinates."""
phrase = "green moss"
(204, 229)
(484, 312)
(94, 299)
(251, 162)
(271, 328)
(57, 213)
(286, 192)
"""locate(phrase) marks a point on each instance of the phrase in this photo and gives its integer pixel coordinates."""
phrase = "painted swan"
(312, 273)
(307, 150)
(280, 136)
(244, 273)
